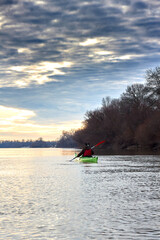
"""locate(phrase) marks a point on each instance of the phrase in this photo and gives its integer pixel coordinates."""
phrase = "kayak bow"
(87, 159)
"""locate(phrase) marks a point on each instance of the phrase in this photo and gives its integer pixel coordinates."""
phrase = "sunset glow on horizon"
(17, 124)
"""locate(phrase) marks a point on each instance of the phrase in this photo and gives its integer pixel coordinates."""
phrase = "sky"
(59, 58)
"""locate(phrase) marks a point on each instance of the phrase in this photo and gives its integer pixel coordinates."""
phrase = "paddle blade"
(98, 144)
(72, 159)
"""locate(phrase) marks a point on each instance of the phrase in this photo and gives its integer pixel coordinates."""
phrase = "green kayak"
(87, 159)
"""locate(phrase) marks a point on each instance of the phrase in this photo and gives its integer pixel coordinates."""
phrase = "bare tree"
(153, 86)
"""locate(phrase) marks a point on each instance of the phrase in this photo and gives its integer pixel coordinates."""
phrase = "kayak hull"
(87, 159)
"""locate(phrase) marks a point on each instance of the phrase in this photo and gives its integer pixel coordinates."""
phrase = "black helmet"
(87, 144)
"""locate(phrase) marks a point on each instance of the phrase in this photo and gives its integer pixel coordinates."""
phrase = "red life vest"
(87, 153)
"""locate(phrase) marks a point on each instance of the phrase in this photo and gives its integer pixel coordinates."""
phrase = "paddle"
(91, 148)
(72, 159)
(98, 144)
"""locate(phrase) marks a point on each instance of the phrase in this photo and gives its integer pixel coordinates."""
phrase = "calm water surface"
(43, 196)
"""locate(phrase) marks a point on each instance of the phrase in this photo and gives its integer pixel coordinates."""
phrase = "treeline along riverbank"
(65, 141)
(130, 123)
(39, 143)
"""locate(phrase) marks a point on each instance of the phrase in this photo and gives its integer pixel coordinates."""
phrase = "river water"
(44, 196)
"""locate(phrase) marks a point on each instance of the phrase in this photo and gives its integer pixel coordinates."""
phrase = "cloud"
(89, 41)
(9, 115)
(36, 32)
(36, 74)
(18, 124)
(8, 2)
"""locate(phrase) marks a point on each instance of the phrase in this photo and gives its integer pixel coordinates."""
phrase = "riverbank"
(127, 151)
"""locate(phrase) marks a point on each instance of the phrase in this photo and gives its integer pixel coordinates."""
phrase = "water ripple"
(44, 197)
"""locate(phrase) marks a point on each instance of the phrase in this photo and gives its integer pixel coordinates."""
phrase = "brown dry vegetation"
(132, 121)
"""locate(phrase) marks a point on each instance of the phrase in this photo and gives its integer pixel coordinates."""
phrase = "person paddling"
(86, 151)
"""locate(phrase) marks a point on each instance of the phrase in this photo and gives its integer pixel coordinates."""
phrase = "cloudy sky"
(59, 58)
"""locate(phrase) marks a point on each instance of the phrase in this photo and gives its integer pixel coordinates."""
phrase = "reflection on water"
(69, 152)
(44, 196)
